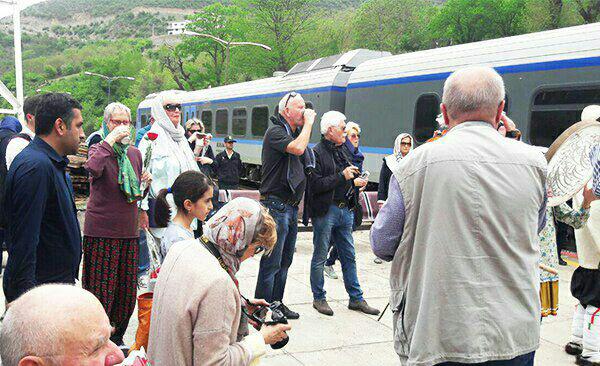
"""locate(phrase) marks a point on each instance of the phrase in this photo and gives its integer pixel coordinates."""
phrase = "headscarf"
(392, 160)
(232, 229)
(127, 178)
(175, 141)
(11, 123)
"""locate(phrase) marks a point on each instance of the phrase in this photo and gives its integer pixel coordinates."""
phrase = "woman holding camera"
(200, 144)
(197, 305)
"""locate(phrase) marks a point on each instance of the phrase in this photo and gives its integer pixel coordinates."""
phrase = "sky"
(6, 10)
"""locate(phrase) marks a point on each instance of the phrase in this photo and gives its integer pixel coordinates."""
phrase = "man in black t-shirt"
(281, 189)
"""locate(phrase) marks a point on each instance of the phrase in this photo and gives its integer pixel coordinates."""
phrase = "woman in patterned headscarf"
(197, 305)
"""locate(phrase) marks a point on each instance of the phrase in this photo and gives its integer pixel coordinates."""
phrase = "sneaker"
(562, 262)
(573, 348)
(361, 305)
(330, 272)
(288, 313)
(377, 260)
(322, 307)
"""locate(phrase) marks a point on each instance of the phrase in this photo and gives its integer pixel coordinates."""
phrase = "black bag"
(5, 137)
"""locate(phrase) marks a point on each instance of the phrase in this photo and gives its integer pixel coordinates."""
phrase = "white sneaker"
(330, 272)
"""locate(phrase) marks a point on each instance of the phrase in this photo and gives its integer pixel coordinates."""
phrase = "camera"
(277, 317)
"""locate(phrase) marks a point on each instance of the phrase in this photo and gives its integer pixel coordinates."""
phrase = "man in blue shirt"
(43, 235)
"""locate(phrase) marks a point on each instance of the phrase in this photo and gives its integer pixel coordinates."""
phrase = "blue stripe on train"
(510, 69)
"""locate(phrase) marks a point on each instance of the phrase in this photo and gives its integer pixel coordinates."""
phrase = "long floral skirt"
(110, 273)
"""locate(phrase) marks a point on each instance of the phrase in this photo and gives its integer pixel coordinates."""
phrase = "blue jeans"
(337, 223)
(272, 274)
(523, 360)
(143, 254)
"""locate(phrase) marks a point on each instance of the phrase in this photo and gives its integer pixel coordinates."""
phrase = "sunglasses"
(172, 107)
(405, 143)
(290, 96)
(354, 136)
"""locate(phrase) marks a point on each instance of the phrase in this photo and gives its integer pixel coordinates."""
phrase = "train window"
(556, 109)
(221, 122)
(309, 105)
(260, 121)
(428, 107)
(206, 119)
(238, 120)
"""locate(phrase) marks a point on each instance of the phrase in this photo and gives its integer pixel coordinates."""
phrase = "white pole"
(18, 60)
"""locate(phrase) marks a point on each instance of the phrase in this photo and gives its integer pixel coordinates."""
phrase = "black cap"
(229, 139)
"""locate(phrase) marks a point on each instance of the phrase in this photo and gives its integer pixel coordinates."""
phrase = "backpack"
(6, 136)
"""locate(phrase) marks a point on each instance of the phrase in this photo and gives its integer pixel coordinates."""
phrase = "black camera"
(277, 317)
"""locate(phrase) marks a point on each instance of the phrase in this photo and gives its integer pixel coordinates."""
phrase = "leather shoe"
(288, 313)
(573, 348)
(361, 305)
(322, 307)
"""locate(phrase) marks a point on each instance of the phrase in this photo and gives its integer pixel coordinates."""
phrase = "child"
(192, 193)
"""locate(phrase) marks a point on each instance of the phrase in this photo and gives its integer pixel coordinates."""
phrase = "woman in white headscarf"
(197, 304)
(165, 152)
(402, 146)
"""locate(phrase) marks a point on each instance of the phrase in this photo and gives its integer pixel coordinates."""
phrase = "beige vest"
(587, 238)
(464, 279)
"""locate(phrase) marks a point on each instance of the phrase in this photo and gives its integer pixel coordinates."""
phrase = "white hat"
(591, 113)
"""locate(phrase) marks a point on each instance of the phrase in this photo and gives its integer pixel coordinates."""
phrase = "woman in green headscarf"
(111, 234)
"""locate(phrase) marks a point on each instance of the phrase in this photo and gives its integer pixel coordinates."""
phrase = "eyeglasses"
(117, 122)
(290, 96)
(172, 107)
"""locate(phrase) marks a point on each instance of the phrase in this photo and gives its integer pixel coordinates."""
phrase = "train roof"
(579, 46)
(310, 76)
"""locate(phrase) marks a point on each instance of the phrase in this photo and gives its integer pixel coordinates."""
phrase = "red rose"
(152, 136)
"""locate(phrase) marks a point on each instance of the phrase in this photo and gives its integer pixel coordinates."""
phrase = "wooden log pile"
(79, 176)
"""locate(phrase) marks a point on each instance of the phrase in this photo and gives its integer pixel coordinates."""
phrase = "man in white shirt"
(18, 143)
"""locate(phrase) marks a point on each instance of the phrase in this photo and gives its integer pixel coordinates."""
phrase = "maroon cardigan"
(108, 215)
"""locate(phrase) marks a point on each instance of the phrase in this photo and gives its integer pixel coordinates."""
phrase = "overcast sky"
(7, 9)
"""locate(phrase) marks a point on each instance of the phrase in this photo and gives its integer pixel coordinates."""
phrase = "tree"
(464, 21)
(555, 12)
(390, 25)
(282, 24)
(589, 10)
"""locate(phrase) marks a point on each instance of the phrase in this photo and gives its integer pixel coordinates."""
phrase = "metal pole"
(18, 61)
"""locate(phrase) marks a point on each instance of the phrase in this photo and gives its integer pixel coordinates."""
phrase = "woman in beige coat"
(197, 305)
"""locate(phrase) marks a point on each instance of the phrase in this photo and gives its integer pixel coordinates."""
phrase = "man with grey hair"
(460, 227)
(285, 154)
(331, 200)
(57, 325)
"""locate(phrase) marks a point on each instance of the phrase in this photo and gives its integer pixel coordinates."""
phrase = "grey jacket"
(464, 278)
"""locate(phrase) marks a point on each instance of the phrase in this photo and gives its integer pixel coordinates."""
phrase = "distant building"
(177, 27)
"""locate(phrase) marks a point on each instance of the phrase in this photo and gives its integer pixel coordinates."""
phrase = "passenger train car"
(550, 77)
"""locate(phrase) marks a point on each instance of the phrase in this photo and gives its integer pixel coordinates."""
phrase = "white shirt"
(16, 145)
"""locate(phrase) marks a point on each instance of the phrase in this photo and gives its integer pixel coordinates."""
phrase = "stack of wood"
(79, 176)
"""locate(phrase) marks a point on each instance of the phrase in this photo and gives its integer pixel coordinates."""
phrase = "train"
(550, 77)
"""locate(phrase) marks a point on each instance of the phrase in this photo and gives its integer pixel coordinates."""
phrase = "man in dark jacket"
(228, 165)
(331, 202)
(43, 235)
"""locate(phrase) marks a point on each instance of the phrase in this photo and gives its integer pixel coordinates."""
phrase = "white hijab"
(392, 160)
(171, 139)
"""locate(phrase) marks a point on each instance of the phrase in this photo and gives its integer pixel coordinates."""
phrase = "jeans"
(337, 223)
(272, 274)
(523, 360)
(143, 254)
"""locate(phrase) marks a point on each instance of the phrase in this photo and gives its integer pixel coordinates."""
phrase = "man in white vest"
(585, 283)
(461, 228)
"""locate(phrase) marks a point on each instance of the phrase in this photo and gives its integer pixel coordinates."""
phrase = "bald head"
(55, 321)
(473, 94)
